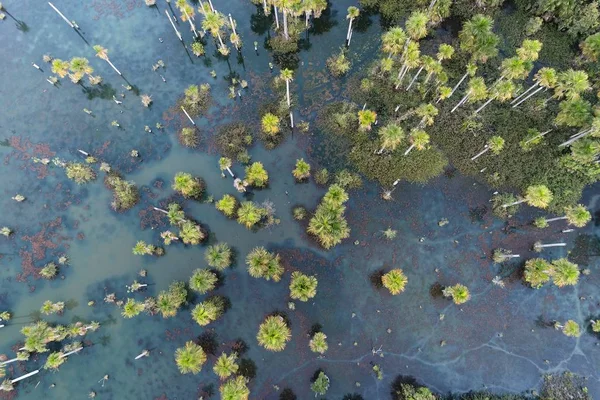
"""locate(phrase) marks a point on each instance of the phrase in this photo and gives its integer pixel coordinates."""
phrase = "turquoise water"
(495, 341)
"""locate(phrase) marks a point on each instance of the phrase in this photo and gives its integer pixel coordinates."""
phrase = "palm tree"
(318, 343)
(502, 91)
(564, 272)
(501, 255)
(391, 136)
(175, 214)
(411, 59)
(416, 26)
(188, 186)
(459, 293)
(60, 67)
(590, 47)
(537, 272)
(393, 41)
(203, 280)
(168, 302)
(574, 112)
(395, 281)
(235, 389)
(529, 50)
(570, 84)
(477, 38)
(141, 248)
(79, 67)
(102, 53)
(213, 22)
(225, 164)
(54, 361)
(419, 139)
(191, 233)
(286, 7)
(365, 119)
(477, 91)
(495, 144)
(577, 215)
(227, 205)
(570, 328)
(546, 78)
(303, 287)
(427, 112)
(302, 170)
(208, 311)
(274, 333)
(263, 264)
(353, 13)
(256, 175)
(536, 196)
(249, 214)
(539, 246)
(132, 308)
(190, 358)
(287, 75)
(226, 365)
(218, 256)
(270, 124)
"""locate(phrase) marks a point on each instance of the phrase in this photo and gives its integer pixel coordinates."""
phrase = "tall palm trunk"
(409, 149)
(576, 137)
(552, 245)
(62, 16)
(160, 210)
(482, 152)
(461, 102)
(276, 17)
(458, 84)
(285, 27)
(530, 95)
(556, 219)
(530, 88)
(349, 31)
(192, 26)
(173, 25)
(514, 203)
(537, 136)
(188, 115)
(113, 67)
(414, 79)
(484, 105)
(27, 375)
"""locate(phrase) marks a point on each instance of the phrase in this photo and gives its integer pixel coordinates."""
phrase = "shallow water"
(494, 341)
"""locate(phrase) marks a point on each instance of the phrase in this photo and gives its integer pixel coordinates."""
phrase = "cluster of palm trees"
(328, 223)
(291, 12)
(190, 232)
(264, 264)
(562, 272)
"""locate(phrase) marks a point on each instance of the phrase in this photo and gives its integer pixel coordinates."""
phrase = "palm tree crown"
(190, 358)
(274, 333)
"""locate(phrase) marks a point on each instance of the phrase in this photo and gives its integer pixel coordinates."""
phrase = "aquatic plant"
(328, 222)
(132, 308)
(218, 256)
(146, 100)
(303, 287)
(318, 343)
(395, 281)
(197, 49)
(196, 99)
(169, 301)
(6, 231)
(322, 176)
(564, 272)
(299, 213)
(226, 365)
(227, 205)
(188, 185)
(274, 333)
(203, 280)
(321, 384)
(209, 310)
(80, 173)
(49, 271)
(235, 389)
(263, 264)
(188, 137)
(338, 64)
(125, 194)
(249, 214)
(302, 170)
(459, 293)
(256, 175)
(190, 358)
